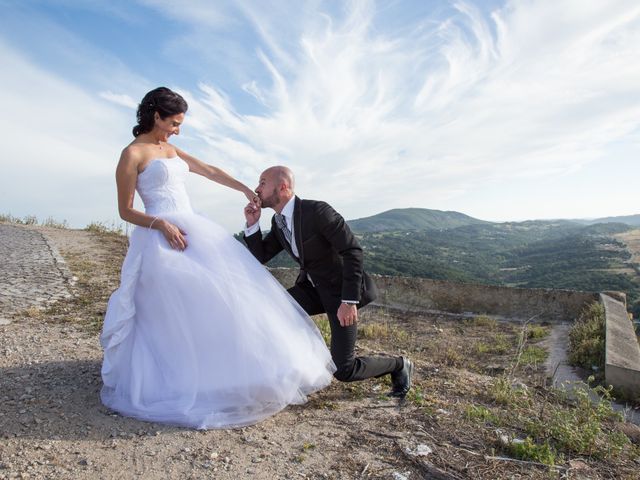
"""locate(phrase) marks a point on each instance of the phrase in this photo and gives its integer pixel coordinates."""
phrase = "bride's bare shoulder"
(132, 153)
(131, 158)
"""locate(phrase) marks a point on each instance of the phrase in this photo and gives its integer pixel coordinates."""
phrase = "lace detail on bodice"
(161, 186)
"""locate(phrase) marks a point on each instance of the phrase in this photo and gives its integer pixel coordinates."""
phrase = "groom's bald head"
(276, 187)
(283, 176)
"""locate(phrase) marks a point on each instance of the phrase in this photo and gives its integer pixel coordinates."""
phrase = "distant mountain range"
(633, 220)
(424, 219)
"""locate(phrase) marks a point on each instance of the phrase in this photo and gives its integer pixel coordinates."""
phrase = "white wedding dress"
(206, 337)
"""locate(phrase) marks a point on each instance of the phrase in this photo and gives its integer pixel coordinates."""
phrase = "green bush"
(529, 450)
(481, 414)
(580, 429)
(322, 322)
(587, 338)
(533, 355)
(537, 332)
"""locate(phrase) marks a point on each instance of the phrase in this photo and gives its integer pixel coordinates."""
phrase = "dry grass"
(97, 273)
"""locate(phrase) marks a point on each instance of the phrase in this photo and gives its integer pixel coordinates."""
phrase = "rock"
(400, 476)
(421, 450)
(4, 321)
(631, 430)
(518, 385)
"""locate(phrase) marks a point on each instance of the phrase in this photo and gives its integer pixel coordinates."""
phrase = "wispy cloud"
(536, 89)
(62, 147)
(374, 105)
(119, 99)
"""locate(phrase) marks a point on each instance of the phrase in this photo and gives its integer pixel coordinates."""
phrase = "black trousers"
(343, 339)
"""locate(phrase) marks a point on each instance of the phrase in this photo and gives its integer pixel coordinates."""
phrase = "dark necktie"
(281, 222)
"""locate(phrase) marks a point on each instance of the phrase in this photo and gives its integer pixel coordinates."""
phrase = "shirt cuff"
(248, 231)
(352, 302)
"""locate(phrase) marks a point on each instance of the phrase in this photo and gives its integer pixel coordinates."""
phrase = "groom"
(331, 278)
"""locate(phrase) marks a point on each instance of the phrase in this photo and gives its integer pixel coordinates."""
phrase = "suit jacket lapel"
(297, 226)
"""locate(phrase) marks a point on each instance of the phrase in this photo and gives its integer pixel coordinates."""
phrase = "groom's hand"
(347, 314)
(252, 213)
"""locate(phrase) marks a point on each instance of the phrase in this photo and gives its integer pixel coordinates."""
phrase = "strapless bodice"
(161, 185)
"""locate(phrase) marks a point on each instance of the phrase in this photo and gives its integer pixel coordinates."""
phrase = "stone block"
(622, 357)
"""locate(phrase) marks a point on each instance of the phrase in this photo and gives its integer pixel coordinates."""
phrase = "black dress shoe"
(401, 380)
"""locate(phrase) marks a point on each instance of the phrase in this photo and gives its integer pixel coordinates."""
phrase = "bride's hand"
(174, 235)
(252, 197)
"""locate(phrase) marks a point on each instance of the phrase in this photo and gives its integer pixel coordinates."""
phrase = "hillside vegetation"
(532, 254)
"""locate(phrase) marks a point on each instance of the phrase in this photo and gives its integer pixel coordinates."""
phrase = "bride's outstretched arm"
(217, 175)
(126, 177)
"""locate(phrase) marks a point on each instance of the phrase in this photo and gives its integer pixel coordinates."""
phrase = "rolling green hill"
(412, 219)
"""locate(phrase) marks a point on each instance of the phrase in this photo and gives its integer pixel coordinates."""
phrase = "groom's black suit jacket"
(329, 252)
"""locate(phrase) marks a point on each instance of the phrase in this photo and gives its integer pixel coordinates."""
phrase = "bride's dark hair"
(162, 100)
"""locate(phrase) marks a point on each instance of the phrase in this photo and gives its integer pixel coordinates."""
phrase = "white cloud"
(61, 147)
(119, 99)
(202, 12)
(372, 121)
(460, 109)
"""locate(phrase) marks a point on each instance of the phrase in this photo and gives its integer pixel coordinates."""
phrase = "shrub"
(533, 355)
(322, 322)
(503, 392)
(103, 227)
(382, 331)
(529, 450)
(580, 428)
(536, 332)
(587, 338)
(481, 414)
(482, 321)
(51, 222)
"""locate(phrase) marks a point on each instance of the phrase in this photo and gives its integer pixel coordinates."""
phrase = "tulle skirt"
(206, 337)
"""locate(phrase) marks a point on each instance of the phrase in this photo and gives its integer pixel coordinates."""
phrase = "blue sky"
(501, 110)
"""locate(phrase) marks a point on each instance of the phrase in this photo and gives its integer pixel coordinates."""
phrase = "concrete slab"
(622, 357)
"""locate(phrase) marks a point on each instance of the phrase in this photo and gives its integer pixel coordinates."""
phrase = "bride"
(198, 334)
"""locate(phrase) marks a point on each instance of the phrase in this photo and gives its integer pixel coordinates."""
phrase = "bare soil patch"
(631, 239)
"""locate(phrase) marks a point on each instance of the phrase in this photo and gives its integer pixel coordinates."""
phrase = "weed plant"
(587, 339)
(554, 422)
(322, 322)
